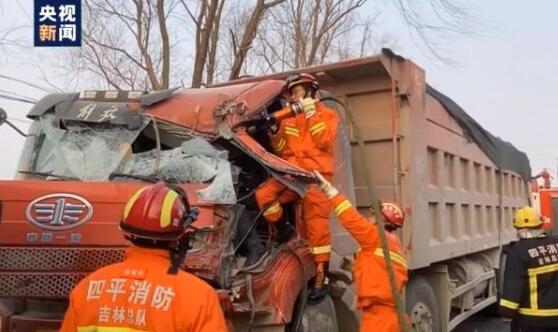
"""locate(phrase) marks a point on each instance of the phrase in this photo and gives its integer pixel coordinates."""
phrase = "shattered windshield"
(93, 152)
(195, 161)
(76, 149)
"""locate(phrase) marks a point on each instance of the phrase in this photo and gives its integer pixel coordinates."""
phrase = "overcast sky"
(506, 78)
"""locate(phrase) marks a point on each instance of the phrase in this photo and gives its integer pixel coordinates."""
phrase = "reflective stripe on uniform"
(538, 312)
(166, 209)
(341, 207)
(93, 328)
(318, 127)
(533, 288)
(280, 145)
(320, 250)
(533, 291)
(275, 207)
(131, 201)
(393, 255)
(293, 131)
(509, 304)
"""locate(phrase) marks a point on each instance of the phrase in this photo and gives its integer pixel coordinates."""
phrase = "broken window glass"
(77, 149)
(94, 152)
(195, 161)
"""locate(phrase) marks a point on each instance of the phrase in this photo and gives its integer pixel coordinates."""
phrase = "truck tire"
(422, 306)
(320, 317)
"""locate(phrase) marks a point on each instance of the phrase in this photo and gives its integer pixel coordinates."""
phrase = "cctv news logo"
(57, 23)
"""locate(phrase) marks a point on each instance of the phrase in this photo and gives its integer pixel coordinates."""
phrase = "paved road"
(483, 322)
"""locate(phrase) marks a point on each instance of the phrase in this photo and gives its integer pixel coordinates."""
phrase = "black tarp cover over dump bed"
(503, 154)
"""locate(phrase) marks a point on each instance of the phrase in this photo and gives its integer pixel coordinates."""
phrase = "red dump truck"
(85, 153)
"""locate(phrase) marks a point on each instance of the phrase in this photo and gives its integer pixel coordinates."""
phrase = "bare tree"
(8, 34)
(213, 45)
(241, 45)
(143, 44)
(107, 53)
(7, 38)
(309, 32)
(317, 31)
(207, 23)
(432, 23)
(146, 63)
(165, 45)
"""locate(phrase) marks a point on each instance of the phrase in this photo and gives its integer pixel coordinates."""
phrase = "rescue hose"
(379, 220)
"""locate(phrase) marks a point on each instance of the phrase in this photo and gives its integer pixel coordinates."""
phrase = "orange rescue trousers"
(315, 213)
(372, 287)
(379, 318)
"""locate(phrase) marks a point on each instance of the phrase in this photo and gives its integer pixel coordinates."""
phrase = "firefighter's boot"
(320, 288)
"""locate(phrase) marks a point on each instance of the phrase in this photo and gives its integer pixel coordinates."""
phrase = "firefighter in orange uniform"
(148, 291)
(306, 139)
(372, 287)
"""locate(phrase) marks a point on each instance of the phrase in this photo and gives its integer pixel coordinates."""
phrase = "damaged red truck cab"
(86, 153)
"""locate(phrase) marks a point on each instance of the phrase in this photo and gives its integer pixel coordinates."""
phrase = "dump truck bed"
(420, 154)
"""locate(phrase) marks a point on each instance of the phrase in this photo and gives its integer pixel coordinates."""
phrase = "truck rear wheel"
(422, 307)
(320, 317)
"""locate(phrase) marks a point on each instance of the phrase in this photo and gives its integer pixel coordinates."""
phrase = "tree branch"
(165, 72)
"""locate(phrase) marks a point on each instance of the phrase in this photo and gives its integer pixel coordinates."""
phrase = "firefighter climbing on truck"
(145, 292)
(372, 288)
(304, 139)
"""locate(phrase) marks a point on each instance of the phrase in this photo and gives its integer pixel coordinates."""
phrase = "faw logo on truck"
(58, 212)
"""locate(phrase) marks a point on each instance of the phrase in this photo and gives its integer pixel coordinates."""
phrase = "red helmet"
(302, 78)
(157, 212)
(393, 214)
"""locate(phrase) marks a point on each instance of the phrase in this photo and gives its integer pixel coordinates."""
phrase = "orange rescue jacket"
(369, 271)
(138, 295)
(308, 143)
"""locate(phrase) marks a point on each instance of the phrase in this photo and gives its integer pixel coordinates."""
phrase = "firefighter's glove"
(326, 186)
(308, 106)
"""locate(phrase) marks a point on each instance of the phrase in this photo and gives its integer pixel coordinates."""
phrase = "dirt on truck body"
(458, 184)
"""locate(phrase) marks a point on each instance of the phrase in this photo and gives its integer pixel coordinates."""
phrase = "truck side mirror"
(3, 116)
(4, 119)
